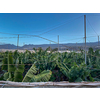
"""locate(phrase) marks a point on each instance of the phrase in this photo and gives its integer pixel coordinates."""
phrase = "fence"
(8, 84)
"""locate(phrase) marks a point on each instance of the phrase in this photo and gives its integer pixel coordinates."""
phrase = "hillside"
(70, 46)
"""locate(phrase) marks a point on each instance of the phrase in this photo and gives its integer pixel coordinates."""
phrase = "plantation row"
(53, 66)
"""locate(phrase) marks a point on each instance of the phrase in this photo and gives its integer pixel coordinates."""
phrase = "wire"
(92, 15)
(78, 38)
(18, 34)
(78, 41)
(8, 33)
(43, 32)
(88, 40)
(72, 39)
(92, 27)
(60, 25)
(13, 37)
(93, 55)
(31, 64)
(91, 36)
(55, 25)
(47, 40)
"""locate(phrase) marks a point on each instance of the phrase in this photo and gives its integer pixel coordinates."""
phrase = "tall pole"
(58, 43)
(23, 46)
(17, 42)
(98, 40)
(85, 35)
(50, 46)
(58, 47)
(76, 46)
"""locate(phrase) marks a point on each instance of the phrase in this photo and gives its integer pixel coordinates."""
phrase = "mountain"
(8, 46)
(69, 46)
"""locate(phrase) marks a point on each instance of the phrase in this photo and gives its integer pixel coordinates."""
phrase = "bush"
(79, 73)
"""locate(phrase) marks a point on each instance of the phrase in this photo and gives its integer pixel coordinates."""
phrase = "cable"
(93, 55)
(56, 25)
(60, 25)
(78, 38)
(72, 39)
(30, 64)
(8, 33)
(92, 27)
(18, 34)
(44, 32)
(50, 61)
(91, 36)
(47, 40)
(78, 41)
(92, 15)
(88, 40)
(13, 37)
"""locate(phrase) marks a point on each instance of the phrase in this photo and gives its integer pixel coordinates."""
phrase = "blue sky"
(69, 27)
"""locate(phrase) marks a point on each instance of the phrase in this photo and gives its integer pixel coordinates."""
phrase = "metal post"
(23, 47)
(58, 43)
(50, 46)
(17, 42)
(76, 46)
(85, 35)
(98, 40)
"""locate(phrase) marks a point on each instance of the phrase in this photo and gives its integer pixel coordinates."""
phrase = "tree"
(56, 49)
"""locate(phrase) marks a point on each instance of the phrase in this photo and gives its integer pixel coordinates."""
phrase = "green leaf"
(29, 75)
(78, 79)
(6, 76)
(42, 77)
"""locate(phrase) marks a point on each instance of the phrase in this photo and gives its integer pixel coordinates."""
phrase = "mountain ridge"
(44, 46)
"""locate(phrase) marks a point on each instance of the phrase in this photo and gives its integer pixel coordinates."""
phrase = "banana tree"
(32, 77)
(14, 69)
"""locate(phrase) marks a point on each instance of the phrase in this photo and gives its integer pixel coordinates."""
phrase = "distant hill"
(69, 46)
(8, 46)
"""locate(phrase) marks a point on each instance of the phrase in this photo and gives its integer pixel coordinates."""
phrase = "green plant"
(10, 67)
(76, 73)
(31, 77)
(42, 77)
(18, 73)
(14, 71)
(6, 76)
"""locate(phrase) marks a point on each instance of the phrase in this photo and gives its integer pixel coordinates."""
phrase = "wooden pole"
(98, 40)
(17, 42)
(85, 35)
(58, 46)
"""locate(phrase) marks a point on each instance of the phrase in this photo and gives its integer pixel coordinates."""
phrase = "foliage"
(56, 49)
(42, 77)
(30, 74)
(18, 73)
(4, 62)
(14, 73)
(10, 67)
(31, 77)
(64, 66)
(6, 76)
(76, 73)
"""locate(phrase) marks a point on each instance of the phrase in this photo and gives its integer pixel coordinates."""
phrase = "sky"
(69, 27)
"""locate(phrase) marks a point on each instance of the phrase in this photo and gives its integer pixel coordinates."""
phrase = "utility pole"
(50, 46)
(23, 46)
(58, 43)
(98, 40)
(17, 42)
(85, 35)
(76, 46)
